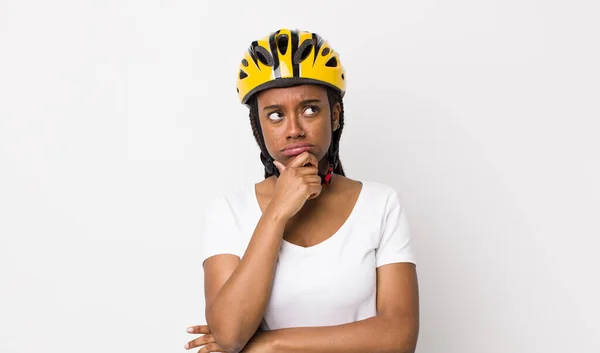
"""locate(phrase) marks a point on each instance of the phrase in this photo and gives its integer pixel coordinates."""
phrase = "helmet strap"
(326, 179)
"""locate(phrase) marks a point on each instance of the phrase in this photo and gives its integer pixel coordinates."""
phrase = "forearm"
(237, 310)
(377, 334)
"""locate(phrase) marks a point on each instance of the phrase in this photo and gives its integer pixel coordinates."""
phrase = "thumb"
(279, 166)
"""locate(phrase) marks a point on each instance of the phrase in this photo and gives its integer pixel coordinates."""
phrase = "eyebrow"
(304, 102)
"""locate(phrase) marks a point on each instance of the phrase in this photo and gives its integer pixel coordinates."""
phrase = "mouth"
(296, 149)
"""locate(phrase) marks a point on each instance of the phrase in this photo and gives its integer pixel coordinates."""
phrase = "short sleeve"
(395, 244)
(220, 234)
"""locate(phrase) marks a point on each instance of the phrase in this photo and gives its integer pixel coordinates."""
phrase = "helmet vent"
(264, 56)
(243, 75)
(303, 51)
(282, 43)
(332, 62)
(245, 62)
(325, 51)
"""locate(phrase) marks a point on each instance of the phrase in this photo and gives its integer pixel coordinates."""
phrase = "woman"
(306, 260)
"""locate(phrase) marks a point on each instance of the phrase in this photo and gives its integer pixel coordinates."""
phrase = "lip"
(295, 149)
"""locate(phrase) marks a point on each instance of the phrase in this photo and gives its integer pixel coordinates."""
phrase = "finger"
(315, 191)
(313, 196)
(308, 171)
(313, 160)
(303, 159)
(279, 166)
(310, 179)
(312, 186)
(198, 329)
(200, 341)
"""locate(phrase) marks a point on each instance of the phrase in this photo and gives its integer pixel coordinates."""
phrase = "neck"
(323, 165)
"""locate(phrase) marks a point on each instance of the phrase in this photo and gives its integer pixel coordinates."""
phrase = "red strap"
(328, 176)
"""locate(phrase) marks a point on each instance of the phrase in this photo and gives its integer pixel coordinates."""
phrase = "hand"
(298, 182)
(259, 343)
(207, 340)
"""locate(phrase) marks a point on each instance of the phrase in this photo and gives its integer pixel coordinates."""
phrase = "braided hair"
(333, 96)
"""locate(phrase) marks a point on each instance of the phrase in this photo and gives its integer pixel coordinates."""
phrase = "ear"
(337, 109)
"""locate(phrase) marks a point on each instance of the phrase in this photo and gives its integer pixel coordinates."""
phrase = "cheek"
(323, 133)
(272, 140)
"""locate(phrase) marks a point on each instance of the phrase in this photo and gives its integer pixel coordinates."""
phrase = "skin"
(293, 205)
(287, 112)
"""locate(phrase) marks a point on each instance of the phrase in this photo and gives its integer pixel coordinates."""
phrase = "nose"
(294, 128)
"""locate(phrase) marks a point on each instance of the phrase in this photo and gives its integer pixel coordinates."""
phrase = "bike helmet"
(286, 58)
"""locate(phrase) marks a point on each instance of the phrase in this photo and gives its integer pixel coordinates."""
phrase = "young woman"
(306, 260)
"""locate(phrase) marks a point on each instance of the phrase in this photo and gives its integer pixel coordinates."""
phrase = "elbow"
(227, 335)
(403, 337)
(409, 344)
(228, 340)
(233, 346)
(229, 345)
(406, 342)
(405, 349)
(403, 344)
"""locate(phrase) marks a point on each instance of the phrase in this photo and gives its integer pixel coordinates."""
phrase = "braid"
(257, 132)
(334, 96)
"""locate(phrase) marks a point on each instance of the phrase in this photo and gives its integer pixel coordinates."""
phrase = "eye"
(311, 110)
(276, 116)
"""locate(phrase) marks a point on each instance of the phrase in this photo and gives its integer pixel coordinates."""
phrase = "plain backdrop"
(119, 120)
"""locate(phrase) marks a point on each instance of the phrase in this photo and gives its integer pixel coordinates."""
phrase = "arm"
(394, 329)
(237, 291)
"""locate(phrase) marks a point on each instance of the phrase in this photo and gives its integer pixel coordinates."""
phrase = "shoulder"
(380, 197)
(370, 189)
(239, 195)
(381, 190)
(384, 195)
(372, 186)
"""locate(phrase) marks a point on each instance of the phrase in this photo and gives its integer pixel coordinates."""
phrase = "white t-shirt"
(331, 283)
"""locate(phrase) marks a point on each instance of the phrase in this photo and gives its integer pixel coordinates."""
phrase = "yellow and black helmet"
(289, 57)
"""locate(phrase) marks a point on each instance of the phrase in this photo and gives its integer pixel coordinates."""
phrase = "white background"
(119, 121)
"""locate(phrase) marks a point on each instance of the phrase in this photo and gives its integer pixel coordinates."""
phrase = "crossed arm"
(394, 329)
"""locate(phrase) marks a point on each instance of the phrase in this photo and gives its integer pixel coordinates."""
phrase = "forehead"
(291, 95)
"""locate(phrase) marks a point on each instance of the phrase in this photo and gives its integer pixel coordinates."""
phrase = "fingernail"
(187, 345)
(189, 329)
